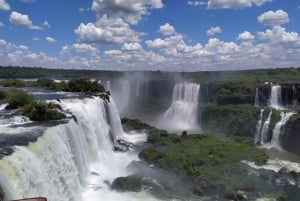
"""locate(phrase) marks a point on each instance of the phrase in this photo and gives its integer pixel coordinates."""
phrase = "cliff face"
(291, 138)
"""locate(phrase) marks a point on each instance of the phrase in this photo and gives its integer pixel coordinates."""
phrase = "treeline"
(256, 76)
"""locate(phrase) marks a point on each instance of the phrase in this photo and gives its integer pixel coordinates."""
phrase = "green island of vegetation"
(212, 164)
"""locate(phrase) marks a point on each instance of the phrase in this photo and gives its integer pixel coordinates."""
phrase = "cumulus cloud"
(236, 4)
(213, 31)
(4, 5)
(50, 39)
(1, 24)
(131, 11)
(166, 29)
(23, 21)
(46, 24)
(85, 48)
(273, 18)
(106, 31)
(245, 36)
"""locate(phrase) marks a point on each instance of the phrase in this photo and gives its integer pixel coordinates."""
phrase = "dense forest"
(250, 76)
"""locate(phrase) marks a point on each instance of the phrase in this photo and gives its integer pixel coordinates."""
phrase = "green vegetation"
(134, 124)
(17, 98)
(34, 110)
(237, 120)
(3, 94)
(211, 164)
(41, 111)
(130, 183)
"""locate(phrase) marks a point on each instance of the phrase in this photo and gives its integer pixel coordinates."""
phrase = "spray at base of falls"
(182, 114)
(72, 161)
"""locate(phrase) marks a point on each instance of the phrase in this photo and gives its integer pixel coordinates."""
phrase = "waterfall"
(182, 114)
(257, 138)
(121, 94)
(275, 99)
(265, 129)
(137, 89)
(275, 142)
(256, 101)
(108, 85)
(73, 161)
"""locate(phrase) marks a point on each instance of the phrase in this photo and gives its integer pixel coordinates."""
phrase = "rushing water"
(256, 100)
(275, 100)
(275, 142)
(74, 161)
(265, 129)
(182, 114)
(259, 127)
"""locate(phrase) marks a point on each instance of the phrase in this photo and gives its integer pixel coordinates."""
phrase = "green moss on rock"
(237, 120)
(130, 183)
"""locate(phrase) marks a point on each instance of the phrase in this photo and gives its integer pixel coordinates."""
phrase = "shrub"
(18, 98)
(41, 111)
(3, 94)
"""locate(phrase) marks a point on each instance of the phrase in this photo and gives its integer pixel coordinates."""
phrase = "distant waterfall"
(137, 89)
(256, 101)
(121, 93)
(265, 129)
(71, 161)
(182, 114)
(259, 127)
(275, 100)
(275, 142)
(108, 85)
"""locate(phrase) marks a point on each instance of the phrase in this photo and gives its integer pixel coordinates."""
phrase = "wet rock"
(130, 183)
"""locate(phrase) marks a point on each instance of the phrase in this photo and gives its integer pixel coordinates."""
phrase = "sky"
(167, 35)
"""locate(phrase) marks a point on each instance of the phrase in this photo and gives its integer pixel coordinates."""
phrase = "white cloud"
(27, 1)
(273, 18)
(131, 11)
(106, 31)
(197, 3)
(245, 36)
(21, 20)
(234, 4)
(50, 39)
(85, 48)
(46, 24)
(166, 29)
(132, 47)
(213, 31)
(1, 24)
(36, 39)
(4, 5)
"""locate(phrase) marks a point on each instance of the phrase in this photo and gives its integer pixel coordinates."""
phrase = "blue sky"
(172, 35)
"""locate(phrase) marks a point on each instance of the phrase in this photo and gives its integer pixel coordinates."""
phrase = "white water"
(256, 101)
(121, 94)
(72, 161)
(285, 116)
(265, 129)
(275, 100)
(137, 89)
(259, 127)
(182, 114)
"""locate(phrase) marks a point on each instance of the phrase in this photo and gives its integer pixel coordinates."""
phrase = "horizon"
(186, 36)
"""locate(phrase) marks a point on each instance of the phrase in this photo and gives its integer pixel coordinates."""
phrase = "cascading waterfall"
(182, 114)
(265, 129)
(108, 85)
(71, 161)
(285, 116)
(137, 89)
(275, 100)
(121, 94)
(256, 101)
(259, 127)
